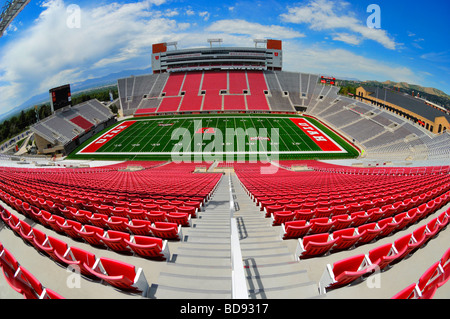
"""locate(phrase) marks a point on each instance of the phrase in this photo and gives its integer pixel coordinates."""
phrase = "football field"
(228, 136)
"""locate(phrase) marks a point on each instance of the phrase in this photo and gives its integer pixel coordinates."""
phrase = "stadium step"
(200, 268)
(270, 267)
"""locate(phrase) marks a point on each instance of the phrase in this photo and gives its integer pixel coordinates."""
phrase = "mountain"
(417, 88)
(431, 94)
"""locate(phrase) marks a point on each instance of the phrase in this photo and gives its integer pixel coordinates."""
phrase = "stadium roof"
(406, 101)
(9, 12)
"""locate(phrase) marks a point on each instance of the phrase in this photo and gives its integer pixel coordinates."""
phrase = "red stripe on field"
(323, 141)
(108, 136)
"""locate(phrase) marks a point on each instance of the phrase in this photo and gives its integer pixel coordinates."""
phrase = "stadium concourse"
(309, 229)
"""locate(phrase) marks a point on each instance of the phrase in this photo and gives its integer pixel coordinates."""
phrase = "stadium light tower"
(9, 12)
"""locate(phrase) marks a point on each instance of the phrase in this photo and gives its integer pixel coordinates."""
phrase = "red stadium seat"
(120, 275)
(346, 238)
(410, 292)
(91, 234)
(315, 245)
(428, 282)
(149, 247)
(166, 230)
(321, 225)
(79, 259)
(368, 232)
(295, 229)
(183, 219)
(344, 272)
(281, 217)
(115, 240)
(139, 227)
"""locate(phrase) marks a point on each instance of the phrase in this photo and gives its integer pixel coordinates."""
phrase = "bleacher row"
(382, 134)
(433, 278)
(216, 91)
(69, 124)
(330, 212)
(21, 280)
(141, 227)
(118, 274)
(348, 270)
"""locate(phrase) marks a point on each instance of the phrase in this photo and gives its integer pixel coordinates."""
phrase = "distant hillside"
(430, 94)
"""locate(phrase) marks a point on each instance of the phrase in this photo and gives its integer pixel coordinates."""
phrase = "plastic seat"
(99, 220)
(156, 216)
(82, 216)
(25, 231)
(445, 264)
(71, 228)
(115, 240)
(428, 282)
(346, 238)
(54, 222)
(323, 212)
(117, 223)
(342, 221)
(304, 214)
(279, 218)
(403, 220)
(40, 241)
(272, 209)
(136, 213)
(345, 271)
(58, 249)
(368, 233)
(139, 227)
(375, 214)
(432, 229)
(443, 220)
(91, 234)
(29, 283)
(419, 236)
(191, 210)
(118, 274)
(383, 255)
(183, 219)
(316, 245)
(321, 225)
(387, 226)
(149, 247)
(166, 230)
(79, 259)
(14, 223)
(295, 229)
(8, 261)
(402, 245)
(360, 218)
(410, 292)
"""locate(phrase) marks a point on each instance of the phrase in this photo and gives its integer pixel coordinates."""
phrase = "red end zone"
(105, 138)
(325, 143)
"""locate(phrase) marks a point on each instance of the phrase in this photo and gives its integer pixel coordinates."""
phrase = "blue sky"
(53, 42)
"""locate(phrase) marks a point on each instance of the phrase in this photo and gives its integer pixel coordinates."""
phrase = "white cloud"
(339, 62)
(325, 15)
(50, 53)
(237, 26)
(347, 38)
(205, 15)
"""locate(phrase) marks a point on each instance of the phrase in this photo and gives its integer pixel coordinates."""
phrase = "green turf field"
(226, 136)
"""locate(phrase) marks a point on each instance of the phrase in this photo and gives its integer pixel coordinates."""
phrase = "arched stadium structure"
(375, 227)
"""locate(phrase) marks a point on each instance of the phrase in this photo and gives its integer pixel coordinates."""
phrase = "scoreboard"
(327, 80)
(60, 97)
